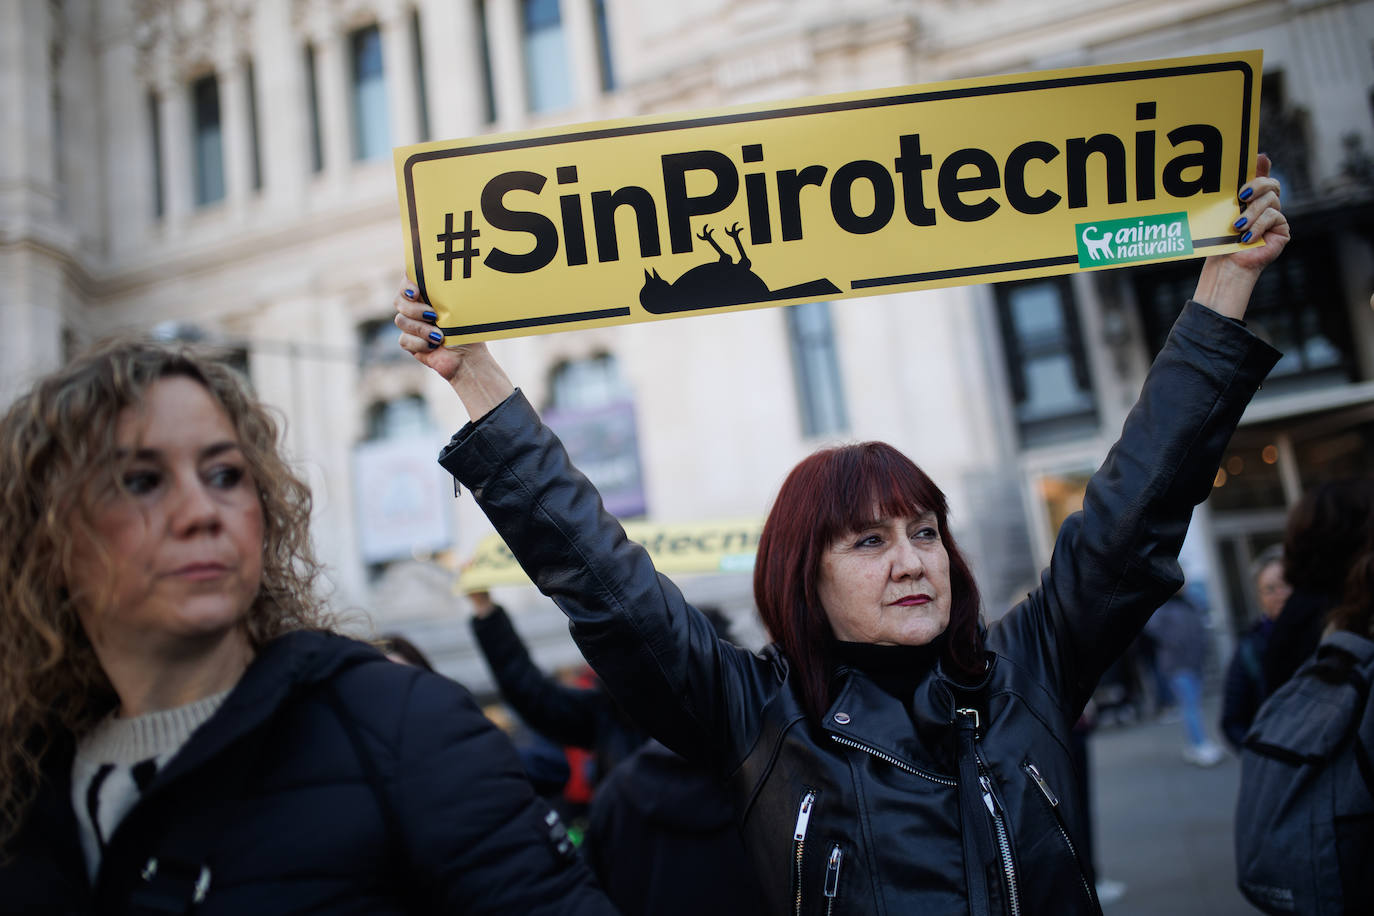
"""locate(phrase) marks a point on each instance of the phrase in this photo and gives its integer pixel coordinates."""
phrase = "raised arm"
(1116, 561)
(657, 655)
(567, 715)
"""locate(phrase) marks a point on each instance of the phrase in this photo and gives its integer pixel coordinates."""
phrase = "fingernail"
(1246, 237)
(436, 336)
(410, 294)
(430, 316)
(433, 344)
(1245, 195)
(1240, 223)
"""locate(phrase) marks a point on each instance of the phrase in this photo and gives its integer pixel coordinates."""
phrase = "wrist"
(480, 382)
(1225, 288)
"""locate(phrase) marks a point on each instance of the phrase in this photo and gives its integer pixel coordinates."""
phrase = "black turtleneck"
(896, 669)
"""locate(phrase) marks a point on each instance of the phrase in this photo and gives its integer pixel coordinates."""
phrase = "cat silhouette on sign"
(721, 282)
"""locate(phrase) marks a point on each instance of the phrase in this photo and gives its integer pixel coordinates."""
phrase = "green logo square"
(1122, 241)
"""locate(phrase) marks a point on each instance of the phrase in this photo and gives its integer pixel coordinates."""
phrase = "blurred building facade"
(220, 170)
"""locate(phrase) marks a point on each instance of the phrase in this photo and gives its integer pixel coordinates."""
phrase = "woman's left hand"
(1228, 279)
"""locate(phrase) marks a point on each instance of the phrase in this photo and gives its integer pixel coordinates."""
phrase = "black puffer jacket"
(880, 807)
(274, 791)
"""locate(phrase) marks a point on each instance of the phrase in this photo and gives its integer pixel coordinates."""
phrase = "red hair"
(831, 493)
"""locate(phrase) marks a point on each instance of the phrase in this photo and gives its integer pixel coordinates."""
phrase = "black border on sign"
(799, 111)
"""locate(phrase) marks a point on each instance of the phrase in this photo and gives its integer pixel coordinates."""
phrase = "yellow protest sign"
(968, 181)
(698, 547)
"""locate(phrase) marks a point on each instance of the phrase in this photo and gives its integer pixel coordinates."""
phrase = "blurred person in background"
(1244, 690)
(888, 752)
(179, 729)
(1182, 641)
(1324, 534)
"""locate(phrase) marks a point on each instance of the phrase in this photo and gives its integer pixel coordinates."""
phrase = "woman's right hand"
(469, 369)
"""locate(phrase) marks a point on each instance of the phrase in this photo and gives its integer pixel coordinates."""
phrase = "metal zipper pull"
(989, 799)
(1040, 781)
(832, 871)
(804, 816)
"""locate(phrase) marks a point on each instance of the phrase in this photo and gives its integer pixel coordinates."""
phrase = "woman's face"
(887, 583)
(183, 536)
(1273, 590)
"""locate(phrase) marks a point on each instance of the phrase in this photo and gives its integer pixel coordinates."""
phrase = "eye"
(225, 476)
(868, 540)
(927, 533)
(140, 481)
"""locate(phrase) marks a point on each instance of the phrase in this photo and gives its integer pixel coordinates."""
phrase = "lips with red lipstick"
(199, 571)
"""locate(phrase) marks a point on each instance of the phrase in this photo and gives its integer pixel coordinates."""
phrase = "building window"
(587, 383)
(546, 56)
(1048, 369)
(155, 140)
(603, 47)
(484, 51)
(417, 53)
(371, 134)
(816, 367)
(312, 99)
(208, 141)
(1283, 134)
(250, 80)
(1297, 306)
(398, 419)
(377, 343)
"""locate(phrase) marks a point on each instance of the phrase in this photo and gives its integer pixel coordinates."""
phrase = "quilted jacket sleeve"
(657, 655)
(1116, 560)
(477, 838)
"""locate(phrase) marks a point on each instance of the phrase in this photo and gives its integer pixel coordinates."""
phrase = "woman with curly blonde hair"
(178, 726)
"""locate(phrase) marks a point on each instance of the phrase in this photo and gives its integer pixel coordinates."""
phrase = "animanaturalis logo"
(1120, 241)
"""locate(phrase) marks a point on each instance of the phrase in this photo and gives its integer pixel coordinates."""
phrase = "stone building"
(220, 170)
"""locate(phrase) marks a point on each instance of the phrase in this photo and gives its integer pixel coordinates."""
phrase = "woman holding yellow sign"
(889, 752)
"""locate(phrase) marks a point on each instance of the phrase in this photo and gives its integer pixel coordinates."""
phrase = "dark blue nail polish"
(1246, 237)
(410, 294)
(1245, 195)
(433, 344)
(1240, 223)
(436, 336)
(430, 316)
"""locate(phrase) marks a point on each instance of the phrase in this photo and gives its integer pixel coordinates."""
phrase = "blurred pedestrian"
(1179, 629)
(1245, 690)
(179, 729)
(581, 717)
(1324, 534)
(1304, 830)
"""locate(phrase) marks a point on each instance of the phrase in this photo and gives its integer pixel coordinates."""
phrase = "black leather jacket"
(881, 808)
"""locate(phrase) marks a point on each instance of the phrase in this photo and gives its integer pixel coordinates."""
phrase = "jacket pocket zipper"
(832, 878)
(888, 758)
(1053, 800)
(799, 844)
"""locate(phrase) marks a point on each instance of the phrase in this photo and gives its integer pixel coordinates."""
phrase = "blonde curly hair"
(57, 447)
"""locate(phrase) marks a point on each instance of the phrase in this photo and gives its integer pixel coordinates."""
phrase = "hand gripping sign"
(962, 182)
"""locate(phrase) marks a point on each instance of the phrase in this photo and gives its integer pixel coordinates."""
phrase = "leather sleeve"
(566, 715)
(1116, 560)
(657, 655)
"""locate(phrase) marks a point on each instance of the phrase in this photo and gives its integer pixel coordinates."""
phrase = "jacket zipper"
(998, 822)
(1034, 772)
(832, 878)
(799, 843)
(942, 780)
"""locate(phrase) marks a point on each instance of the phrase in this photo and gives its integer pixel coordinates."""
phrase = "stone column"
(283, 107)
(453, 68)
(174, 110)
(336, 121)
(236, 128)
(507, 62)
(579, 25)
(399, 69)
